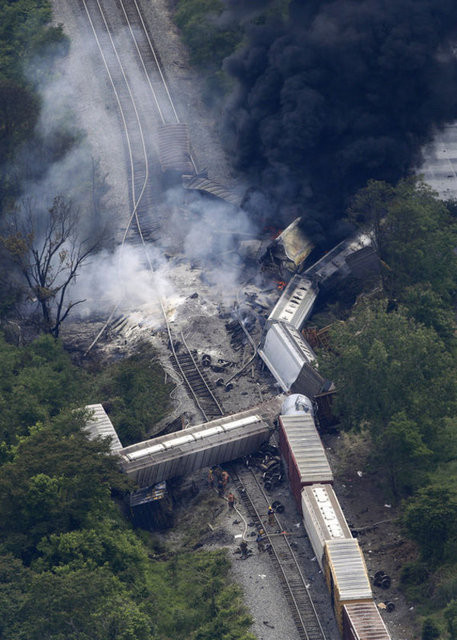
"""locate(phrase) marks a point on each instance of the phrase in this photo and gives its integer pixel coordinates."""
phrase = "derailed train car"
(346, 575)
(291, 360)
(295, 303)
(323, 517)
(337, 552)
(301, 446)
(204, 445)
(285, 352)
(362, 621)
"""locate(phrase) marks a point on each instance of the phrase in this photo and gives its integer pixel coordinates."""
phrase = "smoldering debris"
(334, 94)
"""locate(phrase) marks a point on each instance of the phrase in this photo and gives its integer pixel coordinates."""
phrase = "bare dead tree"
(49, 254)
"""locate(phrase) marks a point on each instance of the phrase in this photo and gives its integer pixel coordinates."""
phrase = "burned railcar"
(288, 251)
(355, 256)
(295, 303)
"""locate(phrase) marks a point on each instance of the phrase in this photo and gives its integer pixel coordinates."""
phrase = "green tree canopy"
(35, 383)
(384, 363)
(395, 378)
(430, 518)
(55, 482)
(415, 236)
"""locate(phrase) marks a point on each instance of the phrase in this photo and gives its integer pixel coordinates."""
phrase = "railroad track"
(195, 379)
(131, 114)
(143, 99)
(135, 117)
(282, 555)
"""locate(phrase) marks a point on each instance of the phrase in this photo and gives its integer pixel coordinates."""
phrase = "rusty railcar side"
(362, 621)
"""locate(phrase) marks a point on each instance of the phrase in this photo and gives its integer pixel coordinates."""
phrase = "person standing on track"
(261, 540)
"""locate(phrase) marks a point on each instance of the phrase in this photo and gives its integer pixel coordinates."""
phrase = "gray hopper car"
(295, 304)
(201, 446)
(338, 261)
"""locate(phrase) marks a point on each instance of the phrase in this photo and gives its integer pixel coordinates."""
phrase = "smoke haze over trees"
(333, 93)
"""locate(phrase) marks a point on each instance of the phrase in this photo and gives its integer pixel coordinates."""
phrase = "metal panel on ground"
(99, 425)
(200, 446)
(323, 517)
(303, 452)
(346, 575)
(363, 621)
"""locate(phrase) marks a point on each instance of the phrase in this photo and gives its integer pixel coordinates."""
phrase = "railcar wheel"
(386, 582)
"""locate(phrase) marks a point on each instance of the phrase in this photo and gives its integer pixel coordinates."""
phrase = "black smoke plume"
(335, 93)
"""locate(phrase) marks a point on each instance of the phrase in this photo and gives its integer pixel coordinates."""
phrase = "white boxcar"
(290, 360)
(322, 516)
(204, 445)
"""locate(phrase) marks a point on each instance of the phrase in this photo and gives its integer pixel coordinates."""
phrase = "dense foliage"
(394, 363)
(70, 565)
(25, 33)
(134, 394)
(209, 43)
(209, 39)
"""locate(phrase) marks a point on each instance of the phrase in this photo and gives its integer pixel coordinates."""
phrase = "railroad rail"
(283, 557)
(195, 379)
(134, 123)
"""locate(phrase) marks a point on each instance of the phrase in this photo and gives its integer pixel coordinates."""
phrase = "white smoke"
(205, 233)
(124, 279)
